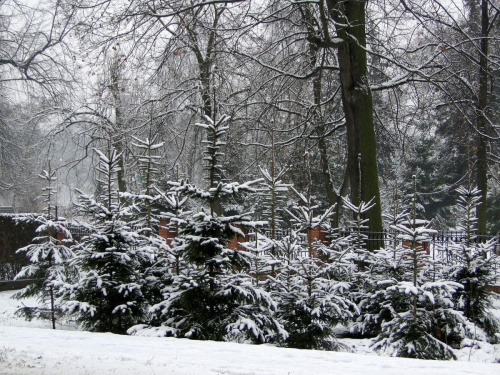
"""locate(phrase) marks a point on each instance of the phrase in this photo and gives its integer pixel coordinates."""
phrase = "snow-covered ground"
(32, 348)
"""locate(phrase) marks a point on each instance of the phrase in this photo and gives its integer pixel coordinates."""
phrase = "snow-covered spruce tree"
(169, 261)
(420, 321)
(48, 256)
(474, 265)
(213, 297)
(108, 296)
(351, 251)
(271, 200)
(389, 262)
(311, 301)
(145, 219)
(273, 196)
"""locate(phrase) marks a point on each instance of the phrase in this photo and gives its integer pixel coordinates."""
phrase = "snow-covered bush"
(48, 257)
(417, 317)
(108, 295)
(212, 296)
(311, 300)
(474, 265)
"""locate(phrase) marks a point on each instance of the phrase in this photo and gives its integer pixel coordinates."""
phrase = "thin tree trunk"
(209, 107)
(119, 126)
(334, 198)
(482, 140)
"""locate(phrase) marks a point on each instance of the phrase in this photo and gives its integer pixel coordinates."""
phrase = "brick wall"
(495, 288)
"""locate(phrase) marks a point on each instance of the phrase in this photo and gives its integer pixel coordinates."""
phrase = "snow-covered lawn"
(28, 348)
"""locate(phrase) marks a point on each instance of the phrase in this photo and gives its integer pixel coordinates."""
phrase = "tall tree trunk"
(349, 18)
(334, 197)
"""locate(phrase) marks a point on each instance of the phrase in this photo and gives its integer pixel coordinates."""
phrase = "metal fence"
(441, 242)
(77, 232)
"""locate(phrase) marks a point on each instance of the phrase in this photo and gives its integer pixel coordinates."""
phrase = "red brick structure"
(495, 288)
(169, 234)
(234, 243)
(313, 236)
(165, 232)
(423, 246)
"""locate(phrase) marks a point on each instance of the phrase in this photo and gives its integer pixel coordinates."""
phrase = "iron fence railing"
(441, 243)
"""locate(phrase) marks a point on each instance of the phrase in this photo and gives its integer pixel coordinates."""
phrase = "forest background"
(337, 97)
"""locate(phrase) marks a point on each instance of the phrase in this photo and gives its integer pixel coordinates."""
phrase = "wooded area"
(338, 98)
(210, 120)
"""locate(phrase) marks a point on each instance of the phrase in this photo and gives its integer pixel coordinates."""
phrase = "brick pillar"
(234, 243)
(165, 232)
(315, 235)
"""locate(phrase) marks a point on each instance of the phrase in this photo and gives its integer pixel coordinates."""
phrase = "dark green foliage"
(206, 238)
(220, 309)
(211, 299)
(306, 331)
(474, 266)
(202, 312)
(407, 337)
(108, 295)
(373, 313)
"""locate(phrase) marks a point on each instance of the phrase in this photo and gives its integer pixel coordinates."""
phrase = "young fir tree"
(386, 263)
(108, 295)
(474, 265)
(169, 262)
(271, 198)
(213, 297)
(48, 256)
(312, 304)
(359, 265)
(311, 300)
(148, 162)
(357, 252)
(419, 319)
(360, 272)
(145, 218)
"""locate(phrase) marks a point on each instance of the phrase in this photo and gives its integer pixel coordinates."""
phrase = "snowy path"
(29, 348)
(25, 350)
